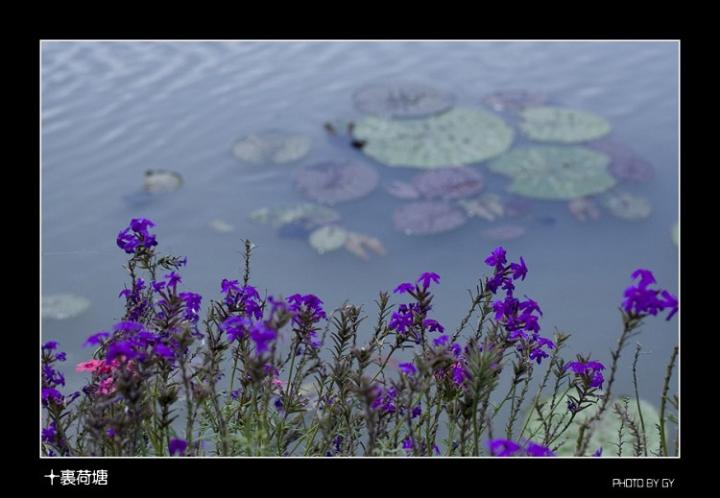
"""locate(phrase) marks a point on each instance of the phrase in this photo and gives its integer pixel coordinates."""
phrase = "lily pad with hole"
(606, 434)
(334, 182)
(458, 137)
(328, 238)
(63, 306)
(427, 218)
(402, 100)
(272, 147)
(555, 172)
(557, 124)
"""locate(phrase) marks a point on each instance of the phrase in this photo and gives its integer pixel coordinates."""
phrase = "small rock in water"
(221, 226)
(63, 306)
(161, 181)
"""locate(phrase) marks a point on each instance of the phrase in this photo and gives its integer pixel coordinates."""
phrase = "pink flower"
(106, 386)
(88, 366)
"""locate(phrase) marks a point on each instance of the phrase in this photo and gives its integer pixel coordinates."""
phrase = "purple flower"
(192, 305)
(384, 399)
(229, 286)
(538, 450)
(670, 302)
(61, 356)
(262, 335)
(49, 433)
(308, 307)
(173, 279)
(588, 371)
(402, 319)
(177, 446)
(433, 326)
(236, 327)
(403, 288)
(428, 277)
(140, 225)
(646, 278)
(416, 412)
(538, 355)
(497, 258)
(120, 348)
(407, 368)
(50, 345)
(127, 241)
(597, 452)
(158, 286)
(519, 270)
(235, 394)
(163, 351)
(50, 394)
(440, 341)
(459, 373)
(503, 447)
(407, 443)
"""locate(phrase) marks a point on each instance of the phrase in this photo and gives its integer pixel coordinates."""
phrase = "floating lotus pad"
(426, 218)
(583, 209)
(328, 238)
(402, 100)
(605, 435)
(488, 207)
(555, 124)
(402, 190)
(627, 206)
(449, 183)
(308, 214)
(272, 147)
(554, 172)
(330, 183)
(458, 137)
(625, 164)
(63, 306)
(513, 100)
(161, 181)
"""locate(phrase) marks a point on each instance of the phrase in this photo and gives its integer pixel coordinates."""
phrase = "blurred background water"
(112, 110)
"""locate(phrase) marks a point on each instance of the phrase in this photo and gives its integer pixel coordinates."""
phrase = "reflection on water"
(112, 111)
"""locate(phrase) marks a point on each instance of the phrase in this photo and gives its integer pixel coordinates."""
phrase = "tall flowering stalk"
(258, 374)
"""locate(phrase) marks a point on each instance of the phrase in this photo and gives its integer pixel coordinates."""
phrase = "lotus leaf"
(628, 206)
(425, 218)
(555, 124)
(458, 137)
(555, 172)
(402, 100)
(328, 238)
(330, 183)
(606, 433)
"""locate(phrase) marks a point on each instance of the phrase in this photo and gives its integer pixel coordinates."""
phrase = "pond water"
(111, 111)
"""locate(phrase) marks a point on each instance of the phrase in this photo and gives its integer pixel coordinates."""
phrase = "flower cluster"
(51, 378)
(244, 299)
(589, 372)
(518, 317)
(136, 236)
(410, 319)
(507, 447)
(640, 300)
